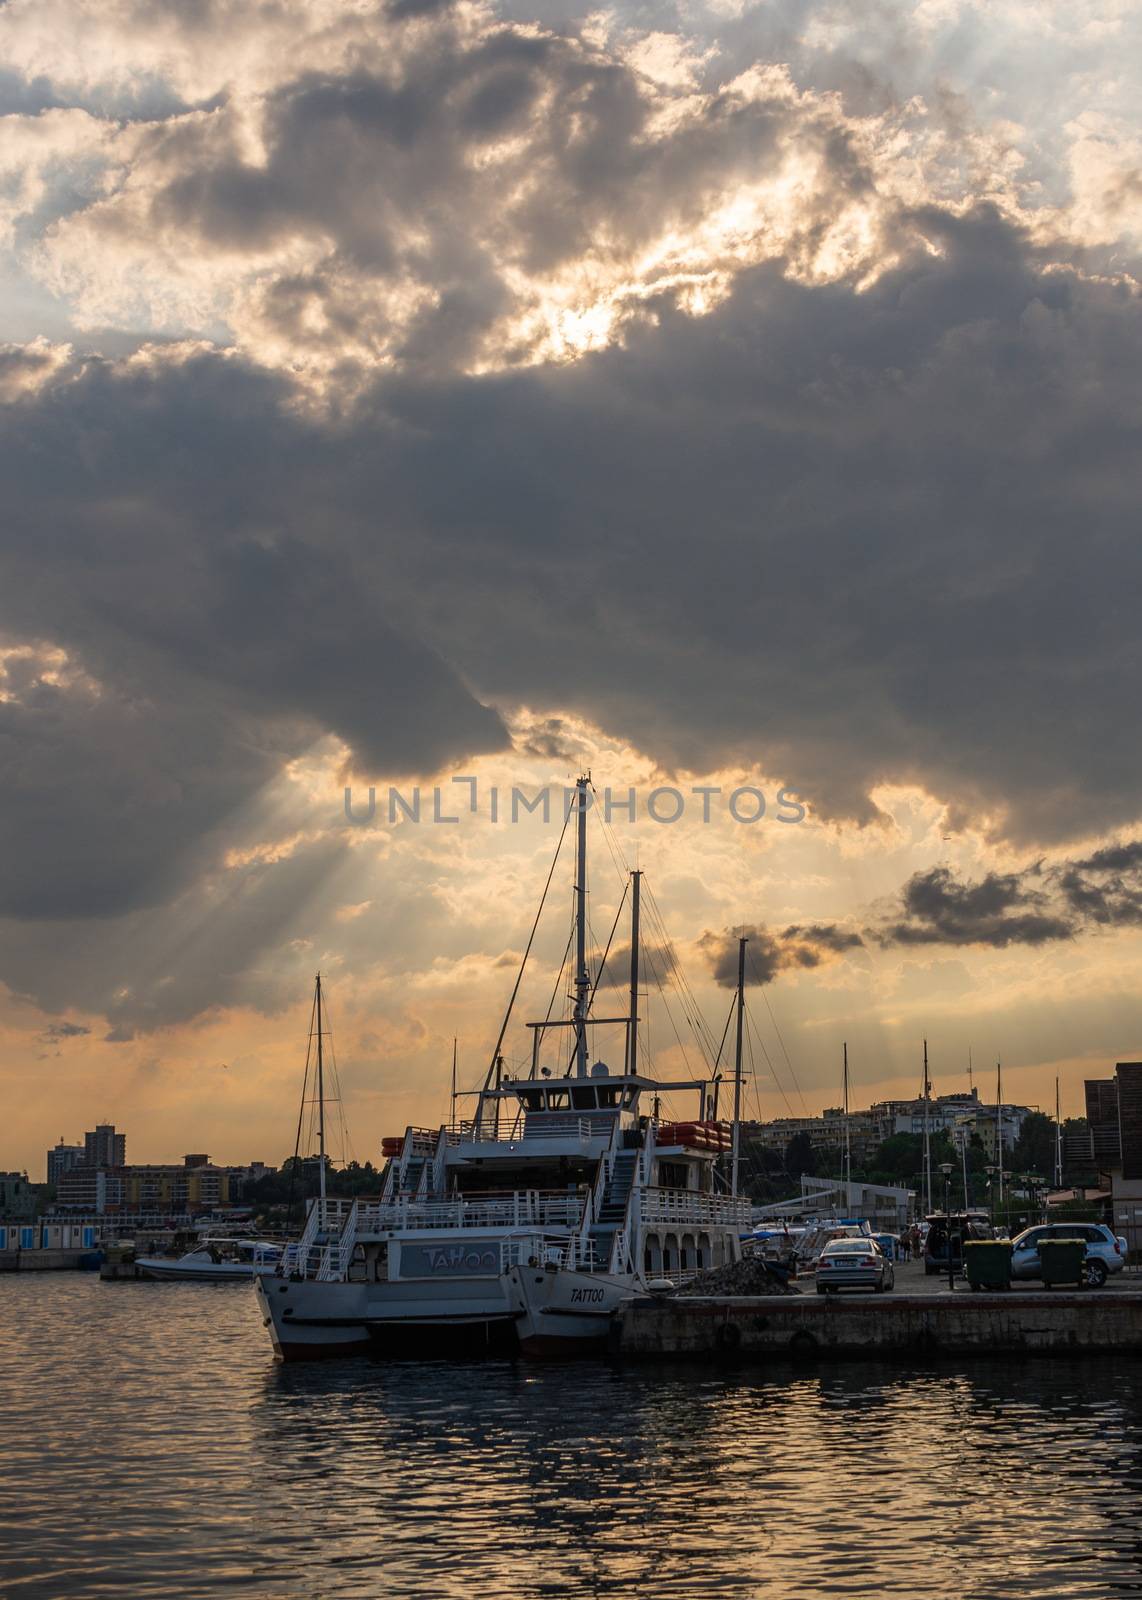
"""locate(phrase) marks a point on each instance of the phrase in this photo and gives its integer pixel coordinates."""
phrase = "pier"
(807, 1326)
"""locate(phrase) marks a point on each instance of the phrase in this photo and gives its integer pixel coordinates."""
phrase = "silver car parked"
(853, 1264)
(1104, 1252)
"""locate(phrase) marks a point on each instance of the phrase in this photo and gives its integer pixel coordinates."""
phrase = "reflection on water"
(151, 1447)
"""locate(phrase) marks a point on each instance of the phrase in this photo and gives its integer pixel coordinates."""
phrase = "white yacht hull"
(561, 1312)
(200, 1272)
(308, 1320)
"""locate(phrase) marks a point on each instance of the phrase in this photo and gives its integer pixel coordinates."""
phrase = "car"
(1105, 1253)
(853, 1264)
(960, 1225)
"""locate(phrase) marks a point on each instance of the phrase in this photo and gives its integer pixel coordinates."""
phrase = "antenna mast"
(927, 1135)
(848, 1144)
(735, 1160)
(1058, 1141)
(582, 977)
(320, 1106)
(999, 1125)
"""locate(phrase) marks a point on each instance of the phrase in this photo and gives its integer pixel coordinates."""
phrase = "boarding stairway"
(612, 1207)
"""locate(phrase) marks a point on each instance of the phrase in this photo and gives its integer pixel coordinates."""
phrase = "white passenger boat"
(529, 1225)
(221, 1260)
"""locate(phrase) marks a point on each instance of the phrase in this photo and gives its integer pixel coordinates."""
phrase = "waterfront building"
(62, 1159)
(192, 1187)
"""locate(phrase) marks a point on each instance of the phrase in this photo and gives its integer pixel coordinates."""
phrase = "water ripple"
(151, 1449)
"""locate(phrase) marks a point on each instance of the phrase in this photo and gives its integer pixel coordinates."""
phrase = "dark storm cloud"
(658, 963)
(770, 951)
(858, 538)
(219, 629)
(1036, 905)
(1001, 909)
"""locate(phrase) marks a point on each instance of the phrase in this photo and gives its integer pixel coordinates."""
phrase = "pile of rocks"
(750, 1275)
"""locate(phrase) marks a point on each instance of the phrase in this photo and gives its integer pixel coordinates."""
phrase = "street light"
(946, 1169)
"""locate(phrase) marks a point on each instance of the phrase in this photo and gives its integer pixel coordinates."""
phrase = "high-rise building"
(104, 1147)
(62, 1159)
(1102, 1119)
(1129, 1076)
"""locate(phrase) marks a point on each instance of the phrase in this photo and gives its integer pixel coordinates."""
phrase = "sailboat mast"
(1058, 1141)
(320, 1104)
(582, 977)
(632, 1051)
(848, 1145)
(735, 1162)
(927, 1136)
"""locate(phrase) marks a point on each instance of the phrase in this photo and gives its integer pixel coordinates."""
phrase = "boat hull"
(223, 1272)
(564, 1314)
(309, 1321)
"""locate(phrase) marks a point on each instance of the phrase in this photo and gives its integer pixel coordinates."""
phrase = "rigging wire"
(526, 953)
(780, 1040)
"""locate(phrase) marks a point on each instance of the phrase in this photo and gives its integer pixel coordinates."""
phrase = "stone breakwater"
(772, 1326)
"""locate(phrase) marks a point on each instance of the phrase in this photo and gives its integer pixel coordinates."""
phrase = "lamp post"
(946, 1169)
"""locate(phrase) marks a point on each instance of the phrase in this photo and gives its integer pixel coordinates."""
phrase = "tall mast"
(735, 1162)
(1058, 1141)
(999, 1125)
(632, 1052)
(848, 1145)
(452, 1111)
(582, 977)
(927, 1136)
(320, 1105)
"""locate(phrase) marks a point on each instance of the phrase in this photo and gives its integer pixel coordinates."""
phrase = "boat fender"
(728, 1336)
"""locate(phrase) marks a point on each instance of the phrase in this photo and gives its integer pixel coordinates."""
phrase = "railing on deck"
(687, 1205)
(520, 1209)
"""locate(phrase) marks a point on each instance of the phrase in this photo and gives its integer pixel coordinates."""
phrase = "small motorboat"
(215, 1261)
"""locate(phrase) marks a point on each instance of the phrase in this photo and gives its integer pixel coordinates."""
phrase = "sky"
(710, 395)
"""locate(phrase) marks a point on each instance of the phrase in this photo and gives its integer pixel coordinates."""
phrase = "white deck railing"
(525, 1208)
(688, 1206)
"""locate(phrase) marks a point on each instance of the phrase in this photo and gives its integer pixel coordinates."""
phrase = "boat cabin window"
(584, 1099)
(673, 1175)
(609, 1097)
(531, 1099)
(557, 1100)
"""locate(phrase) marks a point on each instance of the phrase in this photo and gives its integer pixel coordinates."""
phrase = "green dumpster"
(1063, 1262)
(987, 1263)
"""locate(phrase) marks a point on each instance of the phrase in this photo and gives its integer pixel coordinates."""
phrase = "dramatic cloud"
(760, 390)
(769, 952)
(1033, 906)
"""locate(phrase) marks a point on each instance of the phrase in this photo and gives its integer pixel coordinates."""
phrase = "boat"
(525, 1227)
(215, 1260)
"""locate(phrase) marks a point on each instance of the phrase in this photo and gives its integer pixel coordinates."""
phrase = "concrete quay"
(42, 1260)
(906, 1325)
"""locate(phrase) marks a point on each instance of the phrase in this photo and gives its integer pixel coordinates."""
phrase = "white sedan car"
(853, 1264)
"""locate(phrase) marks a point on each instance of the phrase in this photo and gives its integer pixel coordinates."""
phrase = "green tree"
(1034, 1150)
(800, 1157)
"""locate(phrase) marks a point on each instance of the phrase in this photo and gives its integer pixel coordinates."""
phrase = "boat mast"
(452, 1110)
(320, 1106)
(735, 1160)
(848, 1146)
(582, 977)
(1058, 1141)
(927, 1136)
(632, 1050)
